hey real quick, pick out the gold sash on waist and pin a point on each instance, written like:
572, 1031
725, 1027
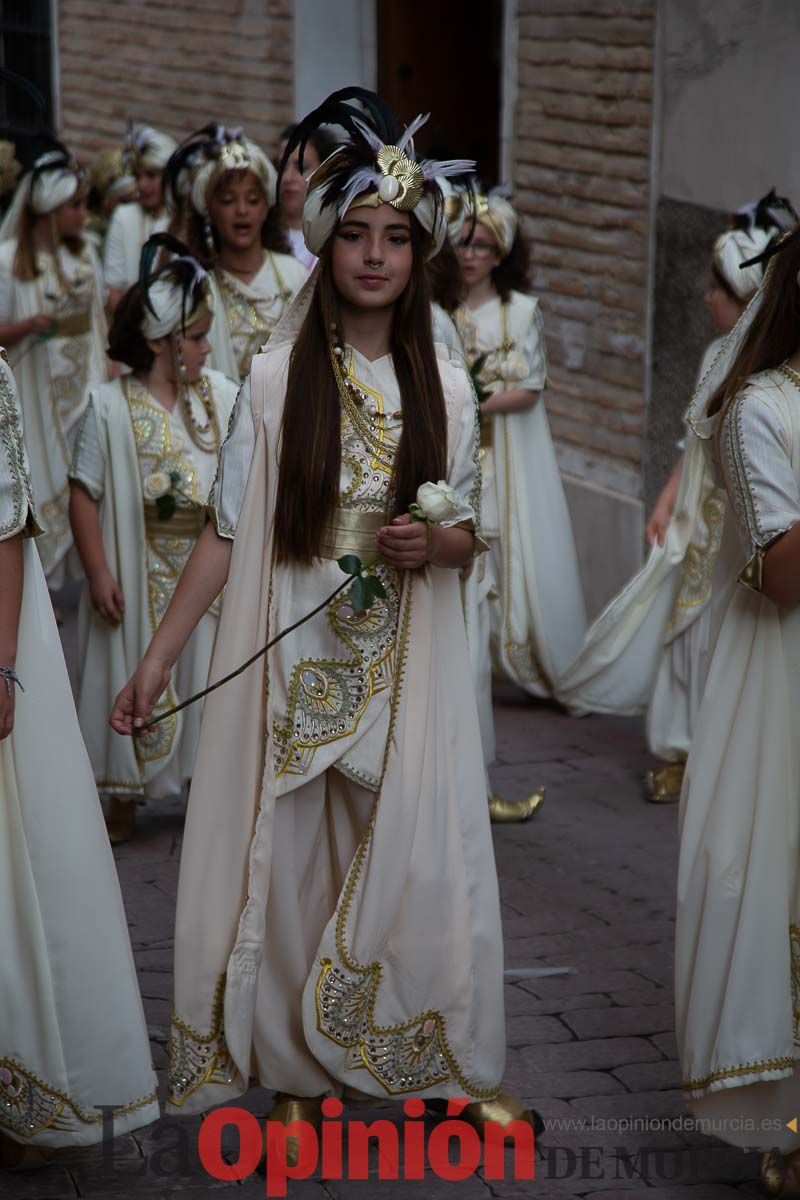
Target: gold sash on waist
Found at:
351, 532
73, 324
184, 522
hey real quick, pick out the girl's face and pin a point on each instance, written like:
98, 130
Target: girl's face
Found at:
195, 348
238, 209
294, 184
372, 256
70, 218
479, 256
150, 186
723, 309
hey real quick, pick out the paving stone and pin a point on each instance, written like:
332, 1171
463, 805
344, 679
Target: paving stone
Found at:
535, 1030
622, 1022
50, 1183
584, 982
645, 1077
600, 1054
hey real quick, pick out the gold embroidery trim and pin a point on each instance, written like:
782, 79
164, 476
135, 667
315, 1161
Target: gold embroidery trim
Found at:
432, 1025
197, 1059
751, 1068
29, 1105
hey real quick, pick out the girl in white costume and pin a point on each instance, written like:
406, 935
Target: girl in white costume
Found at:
294, 184
234, 223
52, 320
72, 1033
369, 951
145, 155
649, 649
738, 924
145, 459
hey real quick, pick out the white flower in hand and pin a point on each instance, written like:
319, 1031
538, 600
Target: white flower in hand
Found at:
438, 502
156, 485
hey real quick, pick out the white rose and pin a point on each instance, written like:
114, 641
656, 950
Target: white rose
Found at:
438, 501
156, 485
514, 369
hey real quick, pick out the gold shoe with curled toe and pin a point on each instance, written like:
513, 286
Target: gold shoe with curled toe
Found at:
501, 1111
664, 784
780, 1176
509, 812
121, 820
287, 1109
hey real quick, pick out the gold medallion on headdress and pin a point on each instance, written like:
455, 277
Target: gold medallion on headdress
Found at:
402, 181
233, 156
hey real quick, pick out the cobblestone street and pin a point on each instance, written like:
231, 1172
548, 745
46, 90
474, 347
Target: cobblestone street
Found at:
587, 885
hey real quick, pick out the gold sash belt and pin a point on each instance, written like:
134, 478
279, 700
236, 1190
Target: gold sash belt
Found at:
351, 532
184, 522
73, 324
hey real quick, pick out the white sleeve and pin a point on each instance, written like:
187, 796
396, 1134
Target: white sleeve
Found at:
535, 354
227, 493
757, 467
114, 257
88, 460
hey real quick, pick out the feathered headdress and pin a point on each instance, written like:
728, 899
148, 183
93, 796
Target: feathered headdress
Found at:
199, 163
146, 149
173, 293
376, 164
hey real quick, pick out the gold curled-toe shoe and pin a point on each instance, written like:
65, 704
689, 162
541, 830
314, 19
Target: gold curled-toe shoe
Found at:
287, 1109
509, 812
121, 820
779, 1174
664, 784
16, 1156
501, 1111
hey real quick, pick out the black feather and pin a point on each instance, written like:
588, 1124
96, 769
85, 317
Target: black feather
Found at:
150, 250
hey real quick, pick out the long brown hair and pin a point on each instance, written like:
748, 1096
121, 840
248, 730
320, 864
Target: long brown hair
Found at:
775, 333
310, 446
512, 273
26, 262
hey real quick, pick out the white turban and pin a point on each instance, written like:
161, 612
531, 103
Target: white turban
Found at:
52, 188
167, 298
148, 149
496, 214
237, 154
734, 247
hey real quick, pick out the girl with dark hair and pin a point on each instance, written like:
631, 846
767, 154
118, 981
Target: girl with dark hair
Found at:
52, 321
738, 925
145, 459
294, 184
233, 226
536, 605
368, 954
649, 650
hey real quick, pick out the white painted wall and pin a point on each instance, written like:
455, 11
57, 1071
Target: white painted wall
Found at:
731, 91
334, 46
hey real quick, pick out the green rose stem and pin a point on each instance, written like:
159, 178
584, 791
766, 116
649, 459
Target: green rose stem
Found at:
354, 569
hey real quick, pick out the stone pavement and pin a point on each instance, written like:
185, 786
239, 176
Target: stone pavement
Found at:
589, 885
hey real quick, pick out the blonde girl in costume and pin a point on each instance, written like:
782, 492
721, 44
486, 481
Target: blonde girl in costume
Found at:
144, 462
738, 917
350, 757
234, 222
145, 154
72, 1035
649, 649
53, 322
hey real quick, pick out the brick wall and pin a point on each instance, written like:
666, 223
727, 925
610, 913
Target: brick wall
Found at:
175, 65
581, 170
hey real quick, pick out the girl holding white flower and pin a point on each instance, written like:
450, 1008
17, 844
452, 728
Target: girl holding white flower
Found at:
339, 791
145, 459
536, 606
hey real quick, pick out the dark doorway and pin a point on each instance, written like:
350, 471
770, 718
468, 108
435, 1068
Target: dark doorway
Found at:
444, 57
